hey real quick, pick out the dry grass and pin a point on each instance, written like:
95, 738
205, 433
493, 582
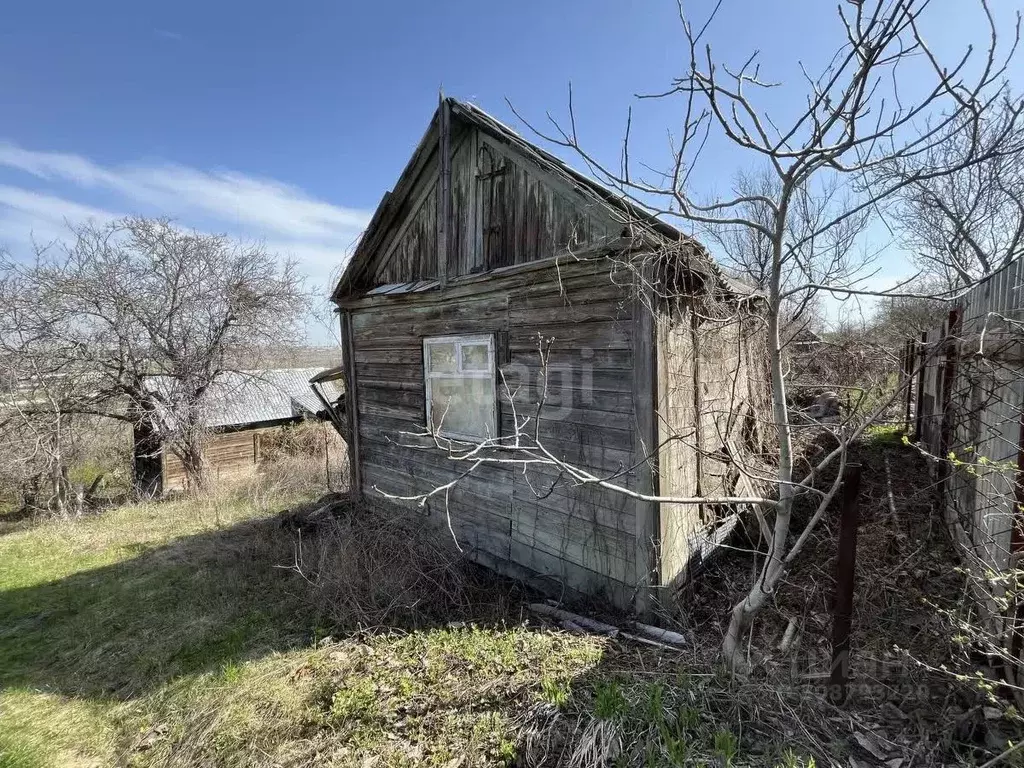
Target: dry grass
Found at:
223, 631
381, 566
900, 703
194, 632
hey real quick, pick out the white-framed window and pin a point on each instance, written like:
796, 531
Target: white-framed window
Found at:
462, 400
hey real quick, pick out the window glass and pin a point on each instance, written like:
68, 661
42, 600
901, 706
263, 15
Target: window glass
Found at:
442, 357
461, 400
463, 407
474, 357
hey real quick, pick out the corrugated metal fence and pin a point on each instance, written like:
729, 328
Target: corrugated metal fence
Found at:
970, 401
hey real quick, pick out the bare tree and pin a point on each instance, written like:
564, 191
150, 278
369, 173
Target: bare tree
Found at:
963, 225
824, 163
898, 318
856, 121
822, 256
135, 320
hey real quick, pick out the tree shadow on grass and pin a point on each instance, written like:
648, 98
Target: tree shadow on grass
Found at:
238, 593
192, 605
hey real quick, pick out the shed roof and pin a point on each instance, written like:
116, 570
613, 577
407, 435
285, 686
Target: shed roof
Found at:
657, 231
250, 397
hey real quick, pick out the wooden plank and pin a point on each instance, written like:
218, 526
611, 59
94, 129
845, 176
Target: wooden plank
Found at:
571, 575
537, 302
556, 400
594, 455
597, 452
408, 368
444, 189
435, 469
370, 410
352, 404
531, 213
555, 432
391, 396
603, 456
407, 360
589, 554
415, 211
582, 381
416, 322
464, 214
570, 273
393, 355
605, 334
572, 502
645, 397
587, 416
614, 361
386, 330
546, 477
383, 482
398, 385
580, 528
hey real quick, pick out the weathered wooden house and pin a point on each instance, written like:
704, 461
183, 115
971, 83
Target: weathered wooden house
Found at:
241, 409
487, 248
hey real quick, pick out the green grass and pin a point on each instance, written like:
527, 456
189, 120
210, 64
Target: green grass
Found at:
101, 612
177, 634
884, 435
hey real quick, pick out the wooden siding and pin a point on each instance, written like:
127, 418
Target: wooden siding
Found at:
228, 454
505, 210
582, 538
526, 214
710, 384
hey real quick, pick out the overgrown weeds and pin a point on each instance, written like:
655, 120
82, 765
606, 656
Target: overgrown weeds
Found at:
223, 631
378, 566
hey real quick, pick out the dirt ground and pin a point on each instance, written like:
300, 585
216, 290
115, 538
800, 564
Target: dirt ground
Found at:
903, 708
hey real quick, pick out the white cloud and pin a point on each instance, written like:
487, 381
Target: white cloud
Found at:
317, 233
29, 218
54, 210
281, 207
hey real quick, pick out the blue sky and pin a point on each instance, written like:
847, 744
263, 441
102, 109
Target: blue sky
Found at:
288, 121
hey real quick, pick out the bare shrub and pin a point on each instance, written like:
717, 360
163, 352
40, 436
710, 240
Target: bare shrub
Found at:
307, 438
66, 472
289, 477
379, 565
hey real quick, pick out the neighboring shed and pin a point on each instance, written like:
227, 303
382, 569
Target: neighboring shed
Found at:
241, 408
487, 246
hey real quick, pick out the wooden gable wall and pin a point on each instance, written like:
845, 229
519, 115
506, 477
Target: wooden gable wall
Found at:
506, 209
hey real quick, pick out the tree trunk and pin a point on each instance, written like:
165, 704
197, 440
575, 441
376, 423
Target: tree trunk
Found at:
774, 565
60, 497
193, 461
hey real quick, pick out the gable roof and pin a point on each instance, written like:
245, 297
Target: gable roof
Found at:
389, 210
249, 397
